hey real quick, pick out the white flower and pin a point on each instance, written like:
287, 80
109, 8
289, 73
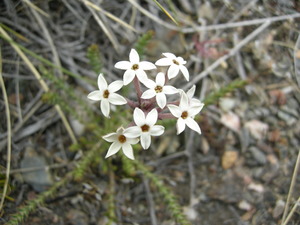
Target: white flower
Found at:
134, 67
185, 113
158, 89
106, 94
145, 127
120, 141
190, 93
175, 63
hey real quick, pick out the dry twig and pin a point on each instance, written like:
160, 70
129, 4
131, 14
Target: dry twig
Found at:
8, 135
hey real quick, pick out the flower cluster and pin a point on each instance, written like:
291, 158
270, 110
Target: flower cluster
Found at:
151, 105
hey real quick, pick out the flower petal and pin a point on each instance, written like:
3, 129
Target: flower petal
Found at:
132, 132
196, 102
115, 86
145, 140
139, 117
192, 124
173, 71
105, 108
161, 100
123, 65
113, 149
164, 62
157, 130
116, 99
151, 117
169, 55
169, 90
95, 95
148, 94
185, 72
132, 141
180, 60
150, 84
195, 109
102, 84
110, 137
142, 76
128, 76
160, 79
175, 110
190, 93
134, 57
180, 125
184, 102
144, 65
127, 150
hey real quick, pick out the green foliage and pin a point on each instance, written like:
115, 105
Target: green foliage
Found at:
215, 96
93, 54
32, 205
143, 41
167, 194
127, 167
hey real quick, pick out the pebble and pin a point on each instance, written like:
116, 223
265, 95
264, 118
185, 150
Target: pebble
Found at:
258, 155
286, 117
39, 179
278, 210
229, 158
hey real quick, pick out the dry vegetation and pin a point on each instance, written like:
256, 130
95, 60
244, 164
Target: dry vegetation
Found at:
241, 170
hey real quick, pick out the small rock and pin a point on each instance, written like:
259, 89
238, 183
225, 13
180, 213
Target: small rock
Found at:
227, 104
32, 164
228, 190
287, 118
229, 158
279, 207
257, 128
77, 126
77, 217
244, 205
256, 187
258, 155
231, 120
190, 212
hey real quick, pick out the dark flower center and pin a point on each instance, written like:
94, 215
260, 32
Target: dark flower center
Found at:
184, 115
158, 89
145, 128
175, 62
122, 139
105, 94
135, 67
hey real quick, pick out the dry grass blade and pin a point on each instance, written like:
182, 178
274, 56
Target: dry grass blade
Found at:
47, 36
106, 30
292, 212
36, 8
151, 16
42, 83
165, 11
239, 24
109, 15
293, 182
8, 135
